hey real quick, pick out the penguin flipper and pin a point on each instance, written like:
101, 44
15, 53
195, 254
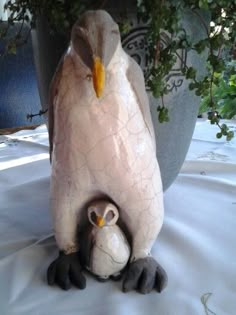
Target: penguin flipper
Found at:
86, 246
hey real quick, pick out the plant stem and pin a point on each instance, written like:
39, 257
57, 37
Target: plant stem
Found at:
40, 113
162, 101
204, 299
158, 42
211, 88
157, 52
21, 27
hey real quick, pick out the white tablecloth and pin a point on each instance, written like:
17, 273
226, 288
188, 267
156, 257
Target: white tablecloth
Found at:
197, 244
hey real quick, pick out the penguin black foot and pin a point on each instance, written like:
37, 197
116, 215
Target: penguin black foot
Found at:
144, 275
66, 270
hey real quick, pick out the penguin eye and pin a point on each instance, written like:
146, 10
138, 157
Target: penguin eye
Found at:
83, 49
110, 215
93, 217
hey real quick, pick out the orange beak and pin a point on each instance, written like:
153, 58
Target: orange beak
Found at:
98, 76
100, 221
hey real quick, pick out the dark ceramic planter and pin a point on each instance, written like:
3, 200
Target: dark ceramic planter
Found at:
19, 92
173, 138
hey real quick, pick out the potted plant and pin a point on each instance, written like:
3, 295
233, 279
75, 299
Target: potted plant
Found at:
179, 45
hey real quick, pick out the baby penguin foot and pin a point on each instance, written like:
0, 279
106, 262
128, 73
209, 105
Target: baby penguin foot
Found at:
143, 275
117, 276
102, 279
66, 270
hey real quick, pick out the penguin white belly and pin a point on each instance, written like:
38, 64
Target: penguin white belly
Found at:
101, 143
110, 252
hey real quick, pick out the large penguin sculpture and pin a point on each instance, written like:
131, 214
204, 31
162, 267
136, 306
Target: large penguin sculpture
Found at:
102, 144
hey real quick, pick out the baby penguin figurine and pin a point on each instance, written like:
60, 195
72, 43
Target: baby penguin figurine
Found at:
105, 250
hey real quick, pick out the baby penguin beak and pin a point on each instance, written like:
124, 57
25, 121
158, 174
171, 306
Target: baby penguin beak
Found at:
100, 221
98, 76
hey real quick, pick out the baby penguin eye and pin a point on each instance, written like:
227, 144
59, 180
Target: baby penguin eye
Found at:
110, 215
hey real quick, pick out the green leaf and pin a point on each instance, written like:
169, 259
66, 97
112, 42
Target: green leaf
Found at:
163, 114
11, 48
201, 45
203, 4
230, 135
191, 73
192, 86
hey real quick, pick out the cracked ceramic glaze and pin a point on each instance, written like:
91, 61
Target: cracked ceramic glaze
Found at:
104, 147
110, 250
110, 253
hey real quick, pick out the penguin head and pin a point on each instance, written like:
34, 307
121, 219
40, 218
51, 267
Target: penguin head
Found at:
95, 38
102, 213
